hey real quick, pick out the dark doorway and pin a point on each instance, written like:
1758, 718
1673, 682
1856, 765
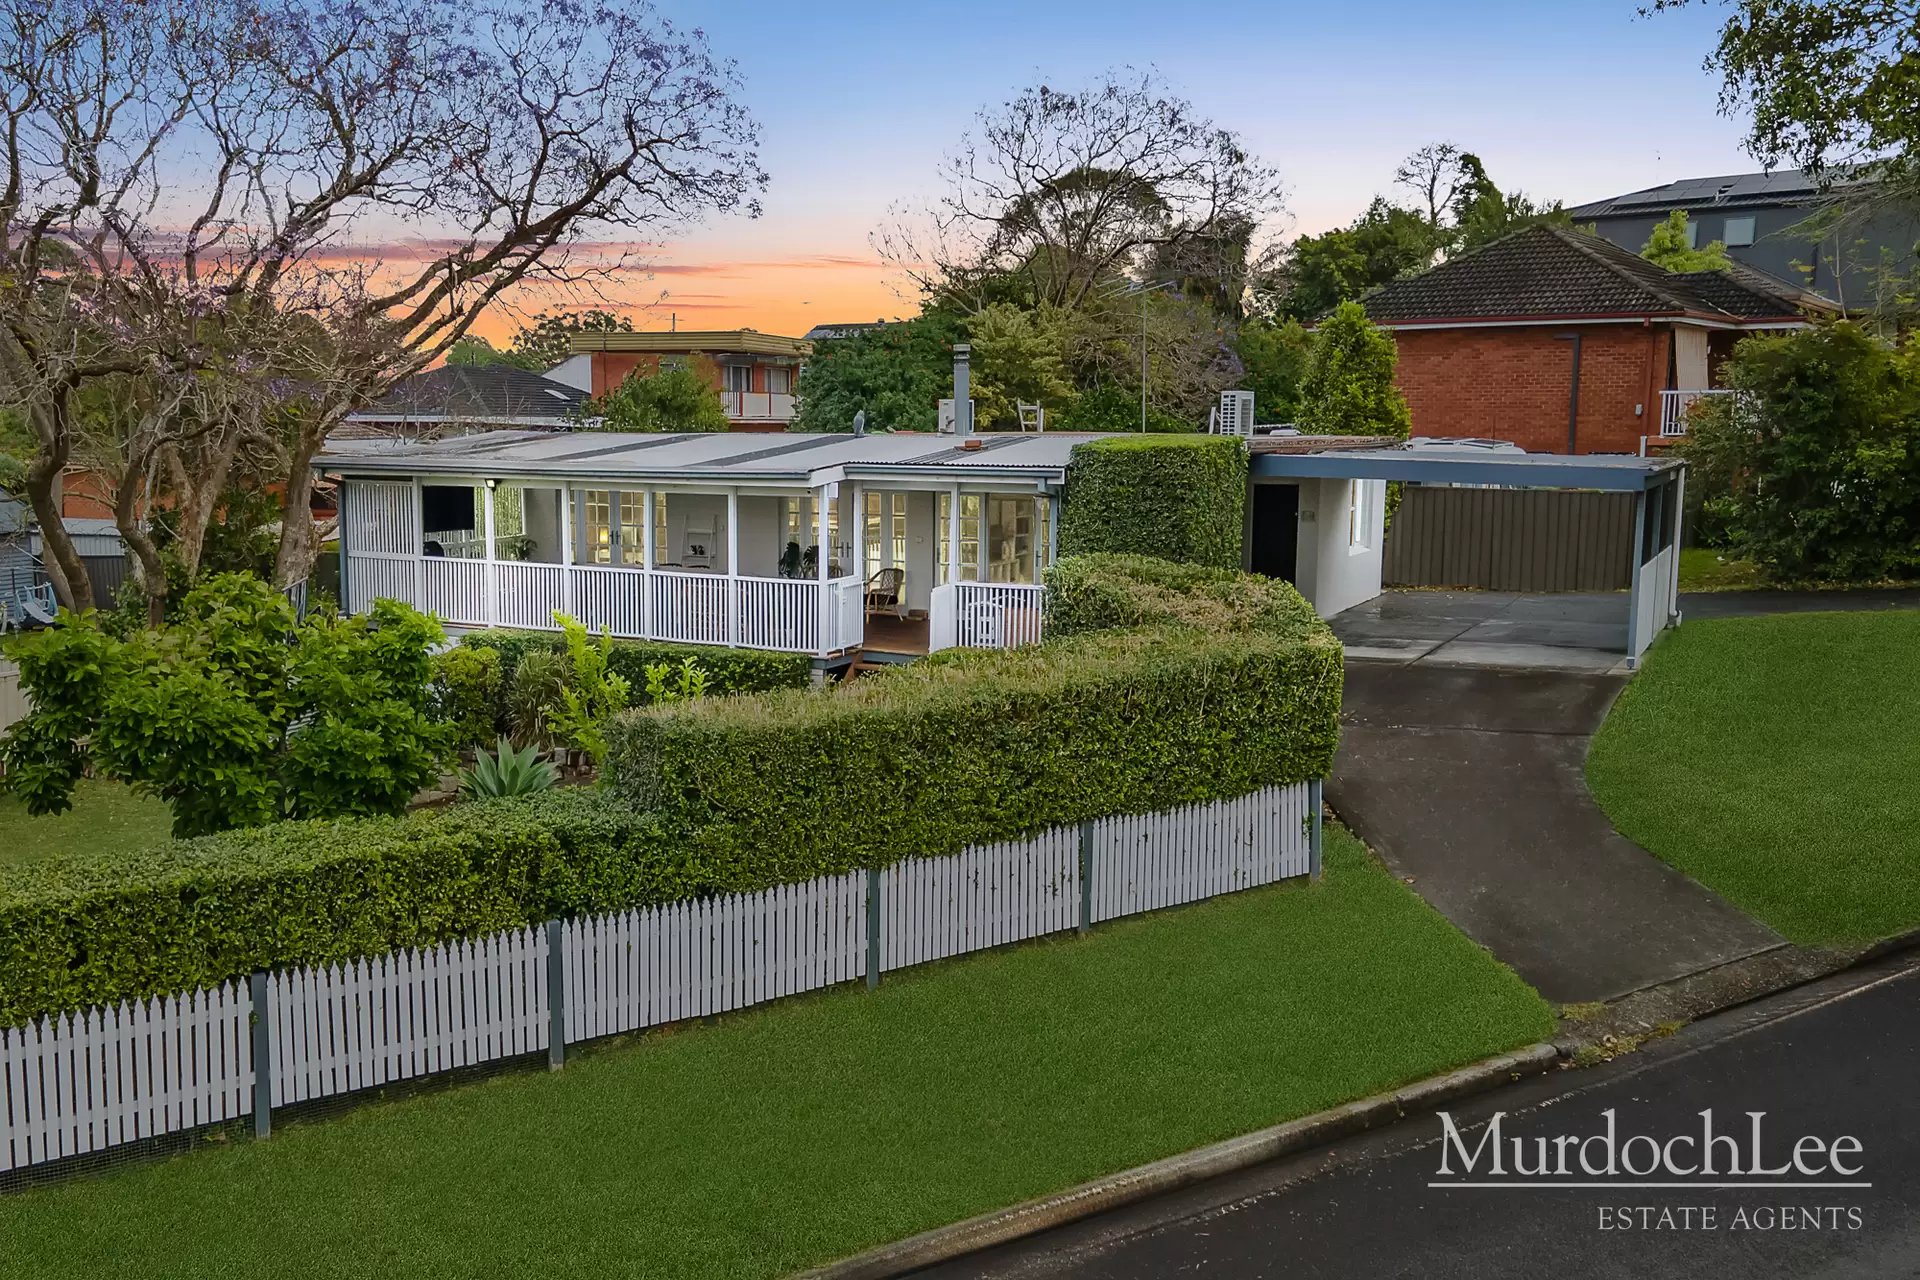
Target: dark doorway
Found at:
1276, 530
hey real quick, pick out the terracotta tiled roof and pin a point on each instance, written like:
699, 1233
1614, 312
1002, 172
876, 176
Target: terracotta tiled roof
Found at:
1559, 272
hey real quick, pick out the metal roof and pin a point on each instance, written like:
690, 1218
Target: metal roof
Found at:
476, 393
1439, 464
1726, 191
710, 341
729, 457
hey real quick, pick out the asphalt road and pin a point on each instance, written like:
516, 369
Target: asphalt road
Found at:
1834, 1059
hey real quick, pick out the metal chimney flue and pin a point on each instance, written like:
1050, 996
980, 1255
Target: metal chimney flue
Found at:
962, 390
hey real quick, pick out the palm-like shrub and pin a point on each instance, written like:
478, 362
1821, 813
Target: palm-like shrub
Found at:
507, 772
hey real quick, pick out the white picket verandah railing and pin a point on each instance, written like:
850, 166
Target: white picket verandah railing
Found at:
1674, 406
998, 615
86, 1082
630, 603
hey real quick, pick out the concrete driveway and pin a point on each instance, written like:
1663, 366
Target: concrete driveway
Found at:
1576, 631
1469, 783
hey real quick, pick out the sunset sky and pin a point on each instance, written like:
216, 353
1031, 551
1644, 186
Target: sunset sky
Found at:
859, 101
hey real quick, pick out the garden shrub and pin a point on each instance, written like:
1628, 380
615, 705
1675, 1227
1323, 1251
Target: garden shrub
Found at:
728, 670
1177, 498
468, 694
1104, 592
931, 757
84, 929
1349, 388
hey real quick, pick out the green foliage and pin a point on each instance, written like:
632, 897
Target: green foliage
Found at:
1018, 355
1110, 592
1111, 407
677, 398
1349, 387
591, 693
989, 746
1382, 244
897, 374
676, 684
1483, 213
84, 929
534, 693
467, 694
1667, 247
1813, 470
507, 773
1275, 354
728, 671
235, 714
1177, 498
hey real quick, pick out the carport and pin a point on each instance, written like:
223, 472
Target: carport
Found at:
1629, 625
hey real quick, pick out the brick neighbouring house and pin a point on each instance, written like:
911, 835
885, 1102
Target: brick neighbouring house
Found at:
754, 372
1489, 340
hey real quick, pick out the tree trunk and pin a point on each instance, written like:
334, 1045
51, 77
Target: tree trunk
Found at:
298, 549
146, 556
72, 585
199, 479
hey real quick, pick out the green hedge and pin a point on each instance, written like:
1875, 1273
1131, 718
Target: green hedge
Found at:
1179, 498
728, 670
935, 756
189, 913
1103, 592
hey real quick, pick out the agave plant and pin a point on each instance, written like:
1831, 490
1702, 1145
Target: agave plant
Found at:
507, 772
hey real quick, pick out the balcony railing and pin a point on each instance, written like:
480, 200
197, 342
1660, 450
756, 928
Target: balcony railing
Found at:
757, 406
638, 604
986, 615
1675, 405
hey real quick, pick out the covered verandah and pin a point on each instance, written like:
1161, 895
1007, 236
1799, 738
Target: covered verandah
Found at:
793, 546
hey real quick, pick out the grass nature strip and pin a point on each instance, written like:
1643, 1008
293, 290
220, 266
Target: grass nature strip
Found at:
789, 1135
1773, 760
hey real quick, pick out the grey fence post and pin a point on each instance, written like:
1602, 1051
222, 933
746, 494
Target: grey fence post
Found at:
1086, 876
1313, 831
556, 997
873, 928
262, 1057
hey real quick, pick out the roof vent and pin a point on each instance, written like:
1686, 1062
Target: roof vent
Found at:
1721, 194
973, 442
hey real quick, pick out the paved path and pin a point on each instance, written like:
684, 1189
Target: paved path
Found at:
1470, 782
1571, 631
1829, 1060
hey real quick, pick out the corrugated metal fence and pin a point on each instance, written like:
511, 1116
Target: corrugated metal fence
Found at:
87, 1082
1510, 539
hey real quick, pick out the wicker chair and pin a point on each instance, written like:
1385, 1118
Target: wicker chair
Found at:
887, 590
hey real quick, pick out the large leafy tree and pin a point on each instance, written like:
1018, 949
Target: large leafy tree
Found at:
1382, 244
678, 397
897, 374
1275, 354
1065, 190
1349, 387
1020, 359
1814, 468
1482, 212
541, 343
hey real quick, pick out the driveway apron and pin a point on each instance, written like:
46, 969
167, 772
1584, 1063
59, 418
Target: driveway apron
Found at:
1469, 783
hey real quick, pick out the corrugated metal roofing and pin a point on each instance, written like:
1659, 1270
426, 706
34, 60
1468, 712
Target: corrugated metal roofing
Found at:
744, 457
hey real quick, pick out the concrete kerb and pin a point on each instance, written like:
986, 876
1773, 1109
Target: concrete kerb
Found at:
1131, 1185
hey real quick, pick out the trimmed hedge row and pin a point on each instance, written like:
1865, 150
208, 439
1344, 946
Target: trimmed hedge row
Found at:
1181, 498
985, 746
728, 670
76, 931
1104, 592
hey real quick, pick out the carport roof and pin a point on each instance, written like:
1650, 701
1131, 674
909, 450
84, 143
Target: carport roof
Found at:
1508, 469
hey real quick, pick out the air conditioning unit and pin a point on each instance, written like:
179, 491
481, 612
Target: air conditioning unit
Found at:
946, 415
1236, 413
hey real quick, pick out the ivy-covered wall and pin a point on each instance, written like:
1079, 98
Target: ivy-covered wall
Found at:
1180, 498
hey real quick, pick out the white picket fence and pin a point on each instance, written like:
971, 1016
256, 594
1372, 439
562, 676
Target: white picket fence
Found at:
86, 1082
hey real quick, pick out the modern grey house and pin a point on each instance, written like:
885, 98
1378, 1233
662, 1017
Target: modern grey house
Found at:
1764, 220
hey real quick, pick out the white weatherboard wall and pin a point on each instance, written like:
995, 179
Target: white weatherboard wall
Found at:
1338, 562
86, 1082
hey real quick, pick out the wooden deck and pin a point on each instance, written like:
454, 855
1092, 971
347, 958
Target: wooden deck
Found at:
891, 634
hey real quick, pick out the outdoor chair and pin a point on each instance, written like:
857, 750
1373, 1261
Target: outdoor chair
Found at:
886, 590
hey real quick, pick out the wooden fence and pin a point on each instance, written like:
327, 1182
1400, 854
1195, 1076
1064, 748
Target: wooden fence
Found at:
89, 1081
1510, 539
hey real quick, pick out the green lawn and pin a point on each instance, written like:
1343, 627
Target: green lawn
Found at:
1777, 761
106, 817
1705, 569
790, 1135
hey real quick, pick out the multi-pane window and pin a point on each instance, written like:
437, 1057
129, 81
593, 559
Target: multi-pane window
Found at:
739, 377
885, 520
596, 524
969, 537
803, 526
633, 519
1010, 539
779, 379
